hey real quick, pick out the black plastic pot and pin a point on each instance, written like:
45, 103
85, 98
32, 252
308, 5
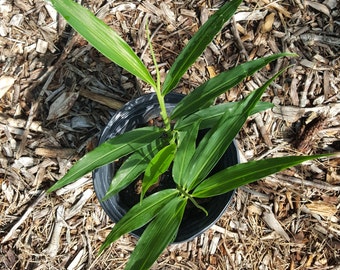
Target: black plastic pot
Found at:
137, 113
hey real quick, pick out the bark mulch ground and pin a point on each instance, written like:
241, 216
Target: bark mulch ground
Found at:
57, 93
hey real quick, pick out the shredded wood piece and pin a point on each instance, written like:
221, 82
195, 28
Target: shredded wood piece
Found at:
53, 246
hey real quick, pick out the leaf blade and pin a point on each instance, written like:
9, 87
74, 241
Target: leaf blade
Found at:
133, 167
218, 139
245, 173
157, 166
185, 151
139, 215
107, 152
198, 43
220, 84
210, 116
158, 235
103, 38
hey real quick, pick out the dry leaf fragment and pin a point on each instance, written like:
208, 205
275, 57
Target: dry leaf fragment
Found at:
268, 23
6, 82
62, 105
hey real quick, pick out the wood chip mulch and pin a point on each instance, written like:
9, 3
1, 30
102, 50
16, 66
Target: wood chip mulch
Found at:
57, 93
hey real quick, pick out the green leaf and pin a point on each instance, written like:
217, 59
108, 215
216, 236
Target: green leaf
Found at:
220, 84
217, 140
185, 151
210, 116
245, 173
198, 43
103, 38
158, 235
133, 167
157, 166
139, 215
109, 151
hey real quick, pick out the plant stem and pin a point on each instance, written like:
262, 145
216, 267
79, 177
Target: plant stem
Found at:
187, 195
160, 97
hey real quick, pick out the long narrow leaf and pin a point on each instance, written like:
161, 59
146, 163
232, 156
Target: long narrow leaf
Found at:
220, 84
109, 151
139, 215
185, 151
218, 139
245, 173
157, 166
103, 38
210, 116
158, 235
198, 43
133, 167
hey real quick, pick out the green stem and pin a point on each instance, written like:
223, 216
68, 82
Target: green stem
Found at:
160, 97
186, 194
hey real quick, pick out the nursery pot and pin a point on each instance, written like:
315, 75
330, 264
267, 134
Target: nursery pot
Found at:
137, 113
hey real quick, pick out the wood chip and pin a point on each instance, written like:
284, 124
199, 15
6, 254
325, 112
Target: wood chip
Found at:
6, 82
110, 102
13, 231
54, 152
17, 20
269, 217
75, 209
62, 105
53, 246
255, 15
78, 261
268, 23
322, 208
42, 46
318, 6
278, 7
212, 72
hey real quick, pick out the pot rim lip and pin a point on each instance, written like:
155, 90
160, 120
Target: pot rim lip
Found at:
229, 194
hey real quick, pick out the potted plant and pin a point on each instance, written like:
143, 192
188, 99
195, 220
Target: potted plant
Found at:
193, 137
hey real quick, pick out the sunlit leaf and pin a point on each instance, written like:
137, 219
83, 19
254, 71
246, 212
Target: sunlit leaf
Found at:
185, 151
133, 167
198, 43
109, 151
245, 173
217, 140
103, 38
220, 84
210, 116
157, 166
139, 215
158, 235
